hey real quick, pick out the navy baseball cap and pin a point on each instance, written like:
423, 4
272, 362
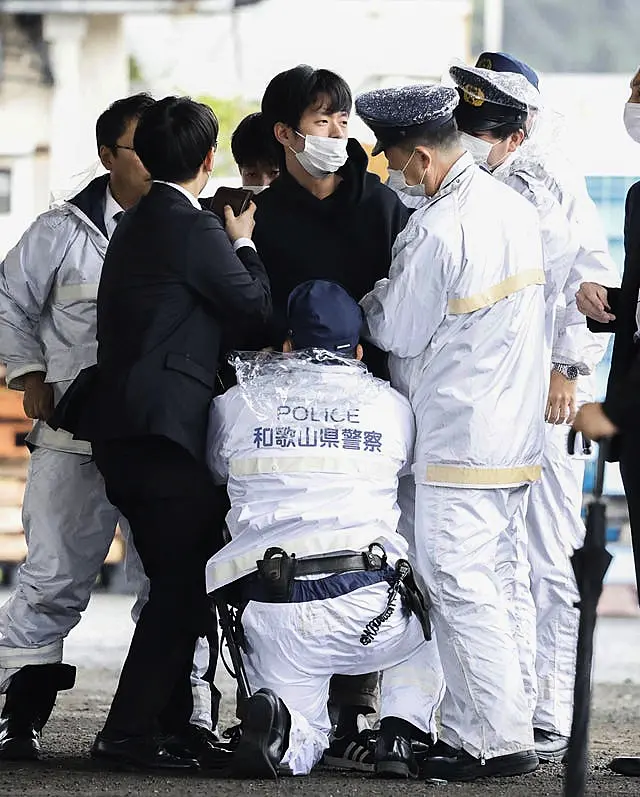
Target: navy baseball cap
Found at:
503, 62
322, 315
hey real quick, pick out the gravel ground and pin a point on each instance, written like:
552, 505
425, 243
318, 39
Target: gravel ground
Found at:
98, 645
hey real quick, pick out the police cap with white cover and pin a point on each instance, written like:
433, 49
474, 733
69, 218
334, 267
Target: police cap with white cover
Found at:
322, 315
405, 112
490, 99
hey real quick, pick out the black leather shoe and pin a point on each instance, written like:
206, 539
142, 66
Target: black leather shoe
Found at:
626, 765
423, 750
233, 735
201, 744
19, 741
138, 753
265, 737
464, 767
441, 748
394, 757
29, 702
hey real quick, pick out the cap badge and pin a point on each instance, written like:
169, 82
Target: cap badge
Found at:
473, 95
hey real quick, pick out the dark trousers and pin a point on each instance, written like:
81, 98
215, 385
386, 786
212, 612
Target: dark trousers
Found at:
353, 691
175, 513
630, 472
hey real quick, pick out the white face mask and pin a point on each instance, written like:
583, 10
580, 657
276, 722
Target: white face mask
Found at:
257, 189
478, 148
397, 181
632, 120
500, 169
322, 156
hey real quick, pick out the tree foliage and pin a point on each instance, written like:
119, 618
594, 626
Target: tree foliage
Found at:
229, 112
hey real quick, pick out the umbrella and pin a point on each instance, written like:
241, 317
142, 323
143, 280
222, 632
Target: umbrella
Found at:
590, 563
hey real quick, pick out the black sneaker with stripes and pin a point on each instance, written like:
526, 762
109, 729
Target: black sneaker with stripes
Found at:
351, 752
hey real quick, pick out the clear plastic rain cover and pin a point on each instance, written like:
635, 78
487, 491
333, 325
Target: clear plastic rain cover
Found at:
313, 385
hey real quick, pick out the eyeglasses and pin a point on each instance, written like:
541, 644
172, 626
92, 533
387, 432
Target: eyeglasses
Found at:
122, 146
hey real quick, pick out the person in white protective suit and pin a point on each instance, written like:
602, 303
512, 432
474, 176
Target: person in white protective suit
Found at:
48, 287
311, 446
554, 523
462, 315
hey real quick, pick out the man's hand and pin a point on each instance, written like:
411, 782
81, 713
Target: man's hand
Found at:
592, 302
635, 87
561, 402
592, 422
38, 397
239, 226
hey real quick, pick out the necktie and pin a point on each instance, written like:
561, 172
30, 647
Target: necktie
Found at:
117, 216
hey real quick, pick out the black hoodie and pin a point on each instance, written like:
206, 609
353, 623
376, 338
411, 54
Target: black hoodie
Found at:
346, 237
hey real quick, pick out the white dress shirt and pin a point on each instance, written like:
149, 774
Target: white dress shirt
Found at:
111, 210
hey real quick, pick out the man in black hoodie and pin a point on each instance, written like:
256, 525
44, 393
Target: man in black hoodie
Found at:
325, 217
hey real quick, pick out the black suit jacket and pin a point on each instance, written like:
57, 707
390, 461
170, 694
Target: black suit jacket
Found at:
622, 402
170, 284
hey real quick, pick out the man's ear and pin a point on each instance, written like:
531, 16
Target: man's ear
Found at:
515, 140
425, 156
282, 132
359, 352
106, 157
287, 346
209, 160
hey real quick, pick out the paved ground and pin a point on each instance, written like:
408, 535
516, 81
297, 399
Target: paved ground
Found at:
99, 644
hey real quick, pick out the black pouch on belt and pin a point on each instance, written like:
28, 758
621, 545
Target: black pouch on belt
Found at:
276, 573
414, 601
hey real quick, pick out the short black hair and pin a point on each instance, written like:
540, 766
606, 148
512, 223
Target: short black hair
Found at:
173, 138
252, 142
290, 93
113, 122
503, 132
498, 131
444, 137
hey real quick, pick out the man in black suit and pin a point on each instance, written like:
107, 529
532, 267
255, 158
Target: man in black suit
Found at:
617, 310
614, 310
172, 280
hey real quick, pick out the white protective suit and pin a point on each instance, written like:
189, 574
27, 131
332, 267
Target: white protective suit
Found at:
311, 452
463, 317
571, 343
554, 522
48, 290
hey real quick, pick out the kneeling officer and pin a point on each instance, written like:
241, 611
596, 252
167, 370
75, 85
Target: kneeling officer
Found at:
320, 570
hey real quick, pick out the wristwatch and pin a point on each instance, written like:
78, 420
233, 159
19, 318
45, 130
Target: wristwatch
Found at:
569, 372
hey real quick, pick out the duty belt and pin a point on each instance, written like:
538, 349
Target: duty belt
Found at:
278, 565
278, 570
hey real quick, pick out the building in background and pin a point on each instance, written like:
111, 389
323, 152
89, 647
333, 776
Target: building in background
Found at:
236, 53
61, 63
